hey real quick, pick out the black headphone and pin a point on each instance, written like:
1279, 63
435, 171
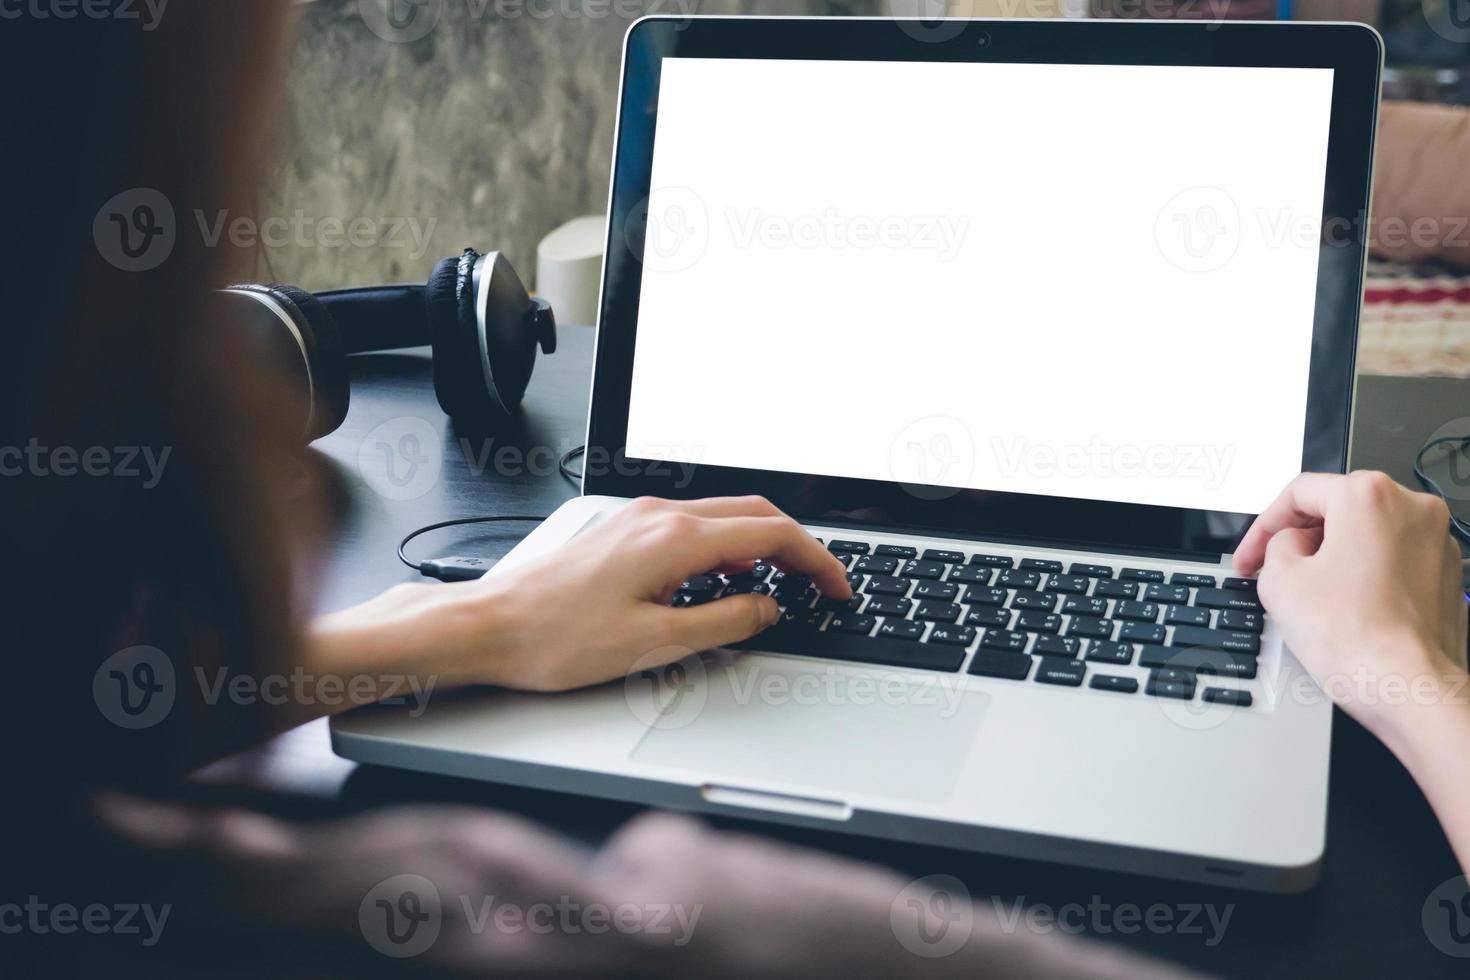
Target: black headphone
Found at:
475, 311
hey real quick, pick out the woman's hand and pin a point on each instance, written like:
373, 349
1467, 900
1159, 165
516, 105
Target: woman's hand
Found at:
598, 608
1364, 583
593, 611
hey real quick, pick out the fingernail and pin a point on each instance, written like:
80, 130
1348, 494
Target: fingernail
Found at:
770, 612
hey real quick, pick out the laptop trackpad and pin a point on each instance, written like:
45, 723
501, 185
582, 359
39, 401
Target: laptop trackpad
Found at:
758, 721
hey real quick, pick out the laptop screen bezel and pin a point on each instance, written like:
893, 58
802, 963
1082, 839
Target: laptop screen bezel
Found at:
1353, 52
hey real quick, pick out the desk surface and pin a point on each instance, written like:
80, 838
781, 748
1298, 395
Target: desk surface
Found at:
1385, 851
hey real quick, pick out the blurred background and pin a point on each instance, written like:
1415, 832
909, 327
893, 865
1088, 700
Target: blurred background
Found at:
490, 123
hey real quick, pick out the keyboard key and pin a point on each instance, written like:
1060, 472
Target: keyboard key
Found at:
1056, 670
1139, 633
896, 551
1087, 626
887, 605
843, 623
849, 547
1187, 616
938, 612
1141, 575
1085, 605
1194, 579
988, 616
1107, 682
970, 575
1017, 579
873, 565
992, 561
943, 591
980, 595
1137, 612
1009, 666
1067, 584
1240, 619
1038, 621
1221, 695
947, 557
1106, 652
1236, 641
960, 636
859, 649
1167, 593
1034, 600
1182, 690
923, 569
1041, 565
1110, 589
1092, 571
1240, 584
702, 586
1199, 660
1227, 599
887, 585
829, 604
1003, 640
901, 629
1050, 645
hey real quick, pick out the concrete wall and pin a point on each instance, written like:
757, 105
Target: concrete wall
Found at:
490, 129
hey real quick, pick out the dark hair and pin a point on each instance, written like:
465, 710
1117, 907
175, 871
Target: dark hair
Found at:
111, 366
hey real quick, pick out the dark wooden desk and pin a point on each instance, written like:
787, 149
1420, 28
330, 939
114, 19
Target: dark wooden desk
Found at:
1385, 851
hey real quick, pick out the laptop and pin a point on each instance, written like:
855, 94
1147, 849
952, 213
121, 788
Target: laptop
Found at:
1024, 320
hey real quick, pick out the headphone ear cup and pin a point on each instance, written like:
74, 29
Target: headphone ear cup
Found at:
327, 356
459, 361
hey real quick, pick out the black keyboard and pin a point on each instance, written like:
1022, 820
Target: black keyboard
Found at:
1016, 619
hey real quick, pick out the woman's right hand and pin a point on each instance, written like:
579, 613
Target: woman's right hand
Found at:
1364, 583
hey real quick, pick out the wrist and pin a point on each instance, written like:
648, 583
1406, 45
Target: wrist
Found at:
452, 633
1433, 694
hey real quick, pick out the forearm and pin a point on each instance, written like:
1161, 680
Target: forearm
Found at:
410, 642
1432, 740
1421, 196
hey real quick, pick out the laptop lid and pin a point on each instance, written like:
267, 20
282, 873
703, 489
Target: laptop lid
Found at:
1084, 283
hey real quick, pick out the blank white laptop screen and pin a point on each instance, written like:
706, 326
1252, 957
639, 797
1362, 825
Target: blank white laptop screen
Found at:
1085, 281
